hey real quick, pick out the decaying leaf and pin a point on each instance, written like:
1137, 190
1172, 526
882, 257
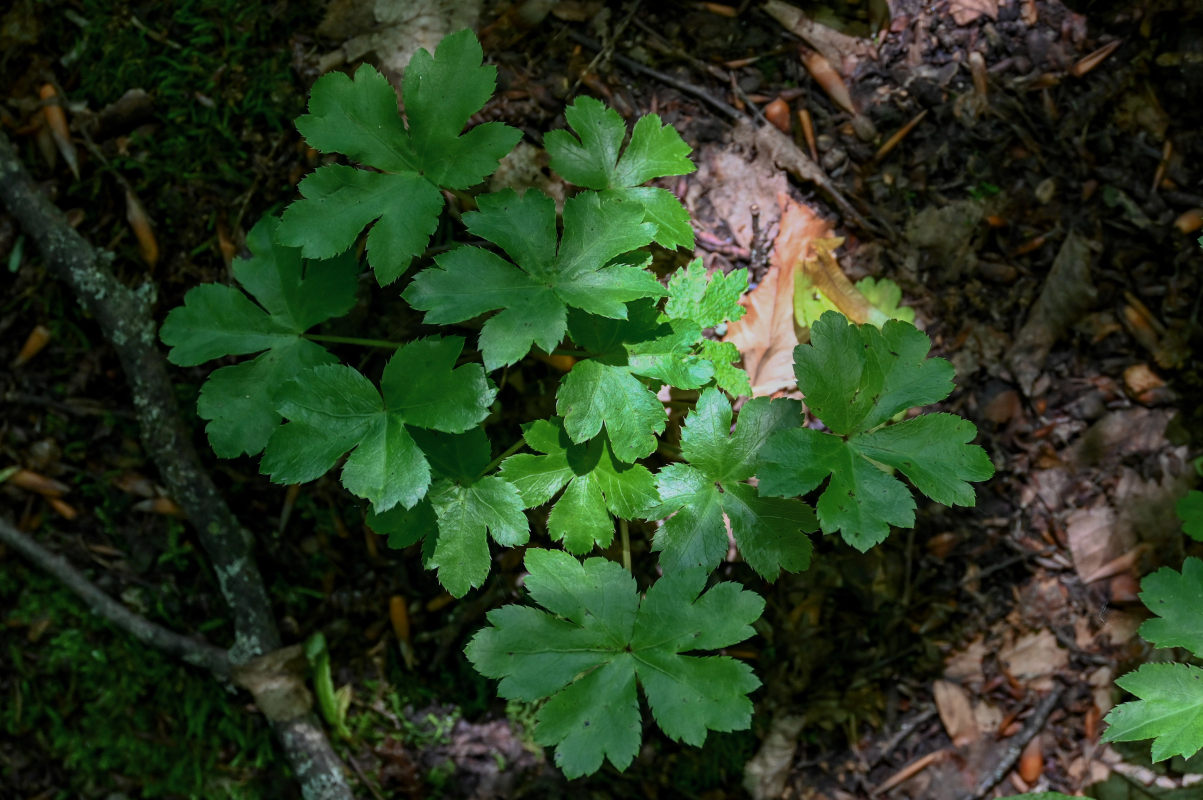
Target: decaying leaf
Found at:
765, 336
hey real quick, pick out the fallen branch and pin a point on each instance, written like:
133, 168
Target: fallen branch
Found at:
1013, 750
188, 649
125, 319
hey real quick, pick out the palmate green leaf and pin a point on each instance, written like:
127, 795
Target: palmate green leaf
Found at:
462, 509
855, 378
293, 295
333, 409
596, 485
708, 300
710, 486
1190, 511
591, 159
1176, 598
606, 389
400, 196
1169, 711
543, 279
596, 641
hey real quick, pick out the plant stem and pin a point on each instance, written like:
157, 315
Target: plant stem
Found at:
509, 451
317, 337
625, 535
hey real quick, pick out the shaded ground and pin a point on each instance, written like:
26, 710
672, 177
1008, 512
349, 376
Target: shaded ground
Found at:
917, 660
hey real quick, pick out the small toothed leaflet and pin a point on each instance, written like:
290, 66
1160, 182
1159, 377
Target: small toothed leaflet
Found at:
415, 427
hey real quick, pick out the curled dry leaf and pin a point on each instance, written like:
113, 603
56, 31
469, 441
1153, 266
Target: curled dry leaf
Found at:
38, 338
765, 335
56, 122
31, 481
1031, 761
829, 79
139, 221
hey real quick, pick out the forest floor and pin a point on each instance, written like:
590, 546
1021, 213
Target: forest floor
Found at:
1029, 176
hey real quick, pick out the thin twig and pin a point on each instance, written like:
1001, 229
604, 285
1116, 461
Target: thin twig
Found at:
191, 650
1013, 750
635, 66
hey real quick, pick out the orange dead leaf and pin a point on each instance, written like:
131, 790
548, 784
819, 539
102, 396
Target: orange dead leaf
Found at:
398, 613
56, 121
777, 112
558, 360
37, 339
31, 481
765, 335
826, 76
1031, 762
159, 505
62, 508
808, 132
139, 221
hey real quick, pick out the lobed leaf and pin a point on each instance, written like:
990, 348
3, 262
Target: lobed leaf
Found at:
596, 485
333, 409
1170, 711
399, 197
542, 278
591, 159
708, 300
706, 495
855, 378
596, 642
292, 295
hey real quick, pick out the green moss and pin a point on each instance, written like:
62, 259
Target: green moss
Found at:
114, 714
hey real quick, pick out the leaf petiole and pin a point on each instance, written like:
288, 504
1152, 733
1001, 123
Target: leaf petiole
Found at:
509, 451
317, 337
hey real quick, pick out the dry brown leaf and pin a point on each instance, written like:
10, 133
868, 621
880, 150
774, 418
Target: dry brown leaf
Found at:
1034, 658
38, 338
956, 712
966, 11
139, 221
1095, 540
765, 336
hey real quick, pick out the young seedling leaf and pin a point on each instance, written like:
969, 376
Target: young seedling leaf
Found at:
333, 409
535, 288
596, 642
293, 295
854, 379
1169, 711
596, 485
591, 159
708, 300
710, 487
400, 196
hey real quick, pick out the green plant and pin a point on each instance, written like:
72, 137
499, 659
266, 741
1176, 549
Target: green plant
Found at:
417, 442
1170, 708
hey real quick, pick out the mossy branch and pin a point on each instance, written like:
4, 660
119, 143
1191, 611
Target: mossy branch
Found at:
125, 319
